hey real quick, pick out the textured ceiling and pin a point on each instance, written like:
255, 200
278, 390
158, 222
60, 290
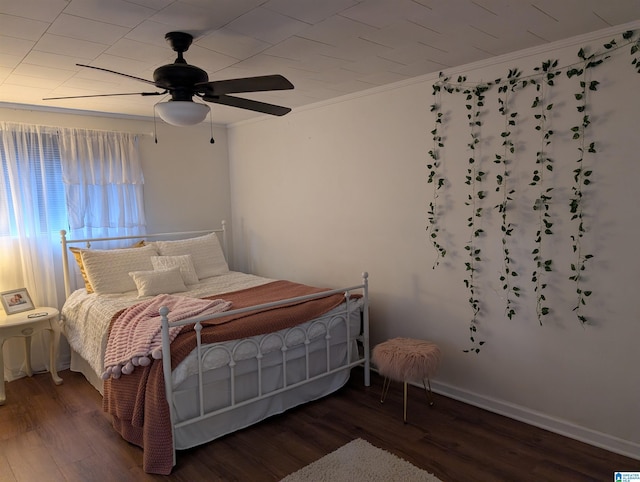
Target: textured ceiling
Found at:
326, 48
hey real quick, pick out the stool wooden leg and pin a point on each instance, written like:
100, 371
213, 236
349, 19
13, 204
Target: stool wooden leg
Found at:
429, 392
385, 388
404, 415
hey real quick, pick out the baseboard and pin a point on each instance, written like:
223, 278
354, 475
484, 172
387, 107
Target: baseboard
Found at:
537, 419
540, 420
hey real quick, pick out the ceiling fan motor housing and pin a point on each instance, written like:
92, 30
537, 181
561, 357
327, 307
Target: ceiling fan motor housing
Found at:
179, 79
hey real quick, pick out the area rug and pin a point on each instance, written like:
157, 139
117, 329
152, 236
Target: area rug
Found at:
359, 461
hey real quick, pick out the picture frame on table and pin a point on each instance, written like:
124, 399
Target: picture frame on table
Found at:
16, 301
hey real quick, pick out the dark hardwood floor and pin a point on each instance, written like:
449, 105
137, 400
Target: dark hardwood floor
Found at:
60, 433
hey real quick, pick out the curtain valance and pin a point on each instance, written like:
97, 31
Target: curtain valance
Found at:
92, 157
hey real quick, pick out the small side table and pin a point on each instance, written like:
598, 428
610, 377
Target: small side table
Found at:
20, 324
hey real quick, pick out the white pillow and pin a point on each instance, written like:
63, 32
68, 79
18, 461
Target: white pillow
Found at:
108, 269
165, 281
206, 254
183, 262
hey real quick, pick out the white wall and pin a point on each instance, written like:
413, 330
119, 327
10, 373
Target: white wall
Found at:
325, 193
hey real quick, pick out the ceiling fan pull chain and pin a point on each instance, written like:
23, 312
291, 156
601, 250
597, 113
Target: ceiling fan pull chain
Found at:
155, 127
211, 121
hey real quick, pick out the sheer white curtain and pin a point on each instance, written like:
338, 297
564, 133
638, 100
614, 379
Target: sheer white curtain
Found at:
104, 183
29, 223
88, 182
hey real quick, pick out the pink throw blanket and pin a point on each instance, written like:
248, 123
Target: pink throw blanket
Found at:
137, 333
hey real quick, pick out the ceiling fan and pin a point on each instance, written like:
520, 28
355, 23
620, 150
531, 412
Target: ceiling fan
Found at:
184, 81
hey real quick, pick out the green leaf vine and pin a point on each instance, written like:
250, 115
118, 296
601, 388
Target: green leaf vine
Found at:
504, 159
635, 48
435, 177
544, 166
581, 175
474, 178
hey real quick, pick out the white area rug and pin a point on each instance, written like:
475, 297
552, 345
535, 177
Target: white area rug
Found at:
359, 461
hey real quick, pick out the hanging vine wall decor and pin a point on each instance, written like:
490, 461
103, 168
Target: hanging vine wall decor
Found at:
543, 79
435, 176
544, 166
474, 179
582, 176
502, 178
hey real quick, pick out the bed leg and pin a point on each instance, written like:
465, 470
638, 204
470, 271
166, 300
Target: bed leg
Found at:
365, 330
367, 374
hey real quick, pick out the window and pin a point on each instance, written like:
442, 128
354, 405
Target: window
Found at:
76, 179
34, 183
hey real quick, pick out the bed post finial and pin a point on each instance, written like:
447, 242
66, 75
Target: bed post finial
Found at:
225, 245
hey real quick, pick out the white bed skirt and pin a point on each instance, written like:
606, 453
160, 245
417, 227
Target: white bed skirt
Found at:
79, 364
223, 424
247, 415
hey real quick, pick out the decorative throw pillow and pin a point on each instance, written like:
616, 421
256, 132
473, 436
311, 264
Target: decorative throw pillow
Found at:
77, 254
108, 270
157, 282
183, 262
206, 254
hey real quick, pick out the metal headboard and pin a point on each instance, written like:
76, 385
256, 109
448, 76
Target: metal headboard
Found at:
222, 232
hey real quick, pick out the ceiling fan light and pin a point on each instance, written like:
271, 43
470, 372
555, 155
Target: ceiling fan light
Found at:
182, 112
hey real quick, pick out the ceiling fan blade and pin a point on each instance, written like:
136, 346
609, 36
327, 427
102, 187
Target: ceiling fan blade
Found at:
104, 95
118, 73
247, 84
248, 104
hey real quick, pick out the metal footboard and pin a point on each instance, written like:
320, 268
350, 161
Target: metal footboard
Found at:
330, 338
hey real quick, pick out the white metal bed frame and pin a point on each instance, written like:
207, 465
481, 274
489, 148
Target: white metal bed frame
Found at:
360, 356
